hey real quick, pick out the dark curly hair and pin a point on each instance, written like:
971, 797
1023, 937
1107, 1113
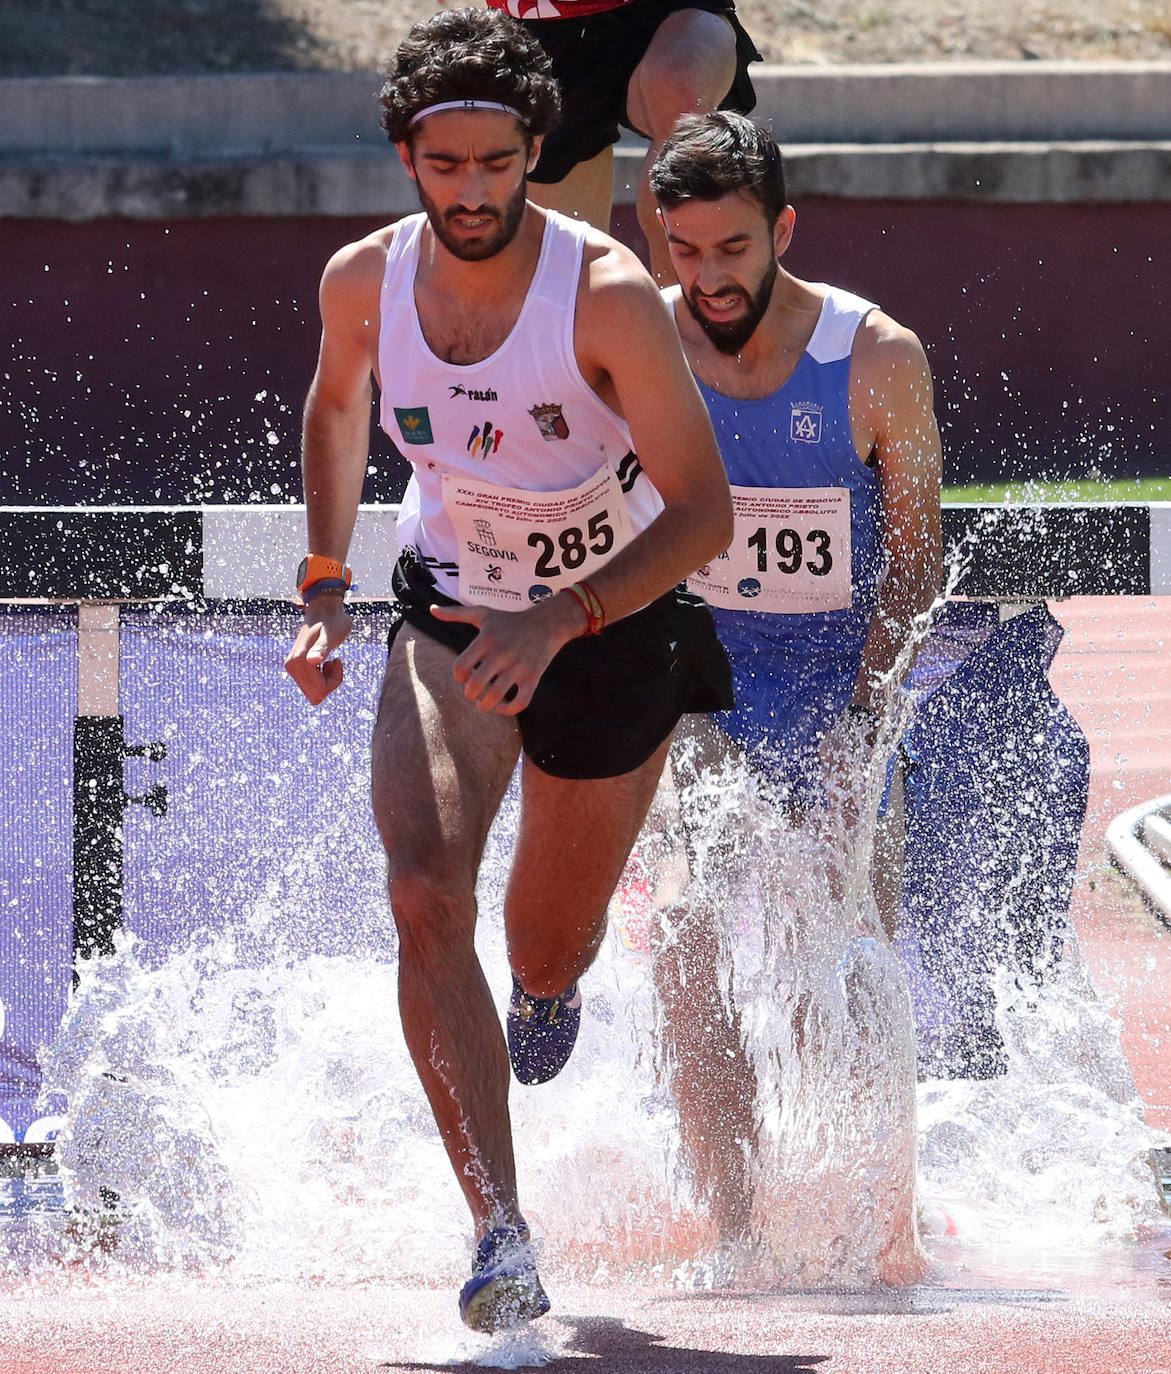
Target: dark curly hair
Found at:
469, 54
710, 155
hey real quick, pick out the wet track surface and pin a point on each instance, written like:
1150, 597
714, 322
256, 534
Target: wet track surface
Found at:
1026, 1328
982, 1309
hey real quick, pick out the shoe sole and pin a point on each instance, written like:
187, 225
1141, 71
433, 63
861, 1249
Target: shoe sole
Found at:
501, 1303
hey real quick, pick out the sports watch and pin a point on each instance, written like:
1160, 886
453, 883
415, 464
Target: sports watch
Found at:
318, 574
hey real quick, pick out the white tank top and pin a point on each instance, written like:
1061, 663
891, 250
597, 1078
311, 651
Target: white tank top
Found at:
523, 420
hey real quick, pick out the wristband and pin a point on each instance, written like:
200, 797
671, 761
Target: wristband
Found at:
587, 599
322, 585
315, 568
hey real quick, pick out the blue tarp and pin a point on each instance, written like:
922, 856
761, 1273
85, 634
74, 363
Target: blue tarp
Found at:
38, 705
996, 793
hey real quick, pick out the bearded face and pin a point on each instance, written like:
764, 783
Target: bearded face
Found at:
475, 234
470, 169
730, 314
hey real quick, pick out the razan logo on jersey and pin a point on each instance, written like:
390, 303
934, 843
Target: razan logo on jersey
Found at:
805, 422
484, 440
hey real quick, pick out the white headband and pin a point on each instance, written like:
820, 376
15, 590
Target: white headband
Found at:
466, 105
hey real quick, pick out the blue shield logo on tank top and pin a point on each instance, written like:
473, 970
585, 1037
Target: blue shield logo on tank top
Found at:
805, 422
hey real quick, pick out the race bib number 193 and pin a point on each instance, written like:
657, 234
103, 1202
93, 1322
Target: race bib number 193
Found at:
516, 547
790, 553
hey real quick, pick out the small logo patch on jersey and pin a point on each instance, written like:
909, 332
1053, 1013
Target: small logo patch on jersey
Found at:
472, 395
550, 421
484, 440
414, 424
805, 422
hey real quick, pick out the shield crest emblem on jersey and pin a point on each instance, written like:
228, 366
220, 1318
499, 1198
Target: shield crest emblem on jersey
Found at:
805, 422
550, 421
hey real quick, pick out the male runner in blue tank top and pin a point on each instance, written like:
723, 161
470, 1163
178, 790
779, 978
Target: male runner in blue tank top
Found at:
565, 480
822, 407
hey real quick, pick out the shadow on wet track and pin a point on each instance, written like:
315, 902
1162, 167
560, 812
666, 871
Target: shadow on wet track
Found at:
921, 1301
608, 1346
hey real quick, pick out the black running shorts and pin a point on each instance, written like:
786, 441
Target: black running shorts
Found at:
595, 57
606, 702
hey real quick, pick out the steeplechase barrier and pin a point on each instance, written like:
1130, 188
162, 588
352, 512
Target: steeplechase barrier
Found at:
166, 778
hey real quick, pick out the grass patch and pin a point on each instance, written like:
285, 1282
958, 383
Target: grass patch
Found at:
1041, 490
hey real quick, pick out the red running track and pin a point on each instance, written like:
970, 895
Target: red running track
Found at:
1114, 672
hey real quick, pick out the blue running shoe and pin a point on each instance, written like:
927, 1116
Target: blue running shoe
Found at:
542, 1032
504, 1289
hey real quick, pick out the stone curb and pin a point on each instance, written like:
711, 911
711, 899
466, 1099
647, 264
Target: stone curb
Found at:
278, 111
281, 144
372, 183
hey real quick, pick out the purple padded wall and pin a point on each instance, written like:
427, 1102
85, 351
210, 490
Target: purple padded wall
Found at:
39, 701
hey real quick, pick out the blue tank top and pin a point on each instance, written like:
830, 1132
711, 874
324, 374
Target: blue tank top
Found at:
794, 673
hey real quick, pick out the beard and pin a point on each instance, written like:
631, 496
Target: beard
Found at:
730, 336
492, 241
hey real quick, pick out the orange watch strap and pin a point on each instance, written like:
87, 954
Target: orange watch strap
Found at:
315, 568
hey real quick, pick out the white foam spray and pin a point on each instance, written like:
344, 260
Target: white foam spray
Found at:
253, 1109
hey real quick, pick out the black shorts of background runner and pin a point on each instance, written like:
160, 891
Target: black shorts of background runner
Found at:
595, 57
606, 702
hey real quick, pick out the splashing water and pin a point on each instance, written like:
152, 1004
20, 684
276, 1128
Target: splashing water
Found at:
249, 1108
264, 1109
823, 1011
1053, 1158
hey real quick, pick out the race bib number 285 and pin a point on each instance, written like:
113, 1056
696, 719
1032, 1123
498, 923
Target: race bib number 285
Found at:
517, 547
790, 553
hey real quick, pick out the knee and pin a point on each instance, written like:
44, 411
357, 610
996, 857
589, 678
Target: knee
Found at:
689, 75
434, 915
668, 97
542, 979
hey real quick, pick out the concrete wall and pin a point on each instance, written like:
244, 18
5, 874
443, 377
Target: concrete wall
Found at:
163, 242
309, 144
897, 103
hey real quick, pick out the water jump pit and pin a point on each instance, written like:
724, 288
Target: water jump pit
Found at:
220, 1158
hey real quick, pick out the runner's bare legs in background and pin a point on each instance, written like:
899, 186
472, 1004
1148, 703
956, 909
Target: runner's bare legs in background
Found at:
688, 68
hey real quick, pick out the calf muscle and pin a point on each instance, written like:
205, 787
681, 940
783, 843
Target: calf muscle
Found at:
439, 772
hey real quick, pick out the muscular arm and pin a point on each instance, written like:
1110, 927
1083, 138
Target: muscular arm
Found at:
628, 349
891, 391
335, 449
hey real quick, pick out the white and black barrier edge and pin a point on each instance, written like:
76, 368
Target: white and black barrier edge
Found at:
196, 554
1139, 841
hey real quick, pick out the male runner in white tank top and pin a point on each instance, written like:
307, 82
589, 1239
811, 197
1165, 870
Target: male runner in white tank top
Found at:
601, 467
